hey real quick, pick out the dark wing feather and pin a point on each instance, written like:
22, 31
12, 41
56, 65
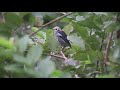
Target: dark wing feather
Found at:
64, 37
62, 33
66, 40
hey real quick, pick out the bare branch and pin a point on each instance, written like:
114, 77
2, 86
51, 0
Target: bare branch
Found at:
63, 55
57, 56
55, 20
106, 58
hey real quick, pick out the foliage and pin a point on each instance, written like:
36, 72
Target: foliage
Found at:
24, 56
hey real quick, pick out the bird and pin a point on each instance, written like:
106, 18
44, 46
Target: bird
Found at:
62, 37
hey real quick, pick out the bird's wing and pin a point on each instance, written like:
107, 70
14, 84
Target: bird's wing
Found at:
62, 33
66, 40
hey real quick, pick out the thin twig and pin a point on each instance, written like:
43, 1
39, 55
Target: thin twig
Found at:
106, 58
55, 20
63, 55
57, 56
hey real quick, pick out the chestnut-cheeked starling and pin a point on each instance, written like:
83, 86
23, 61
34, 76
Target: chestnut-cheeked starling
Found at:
62, 37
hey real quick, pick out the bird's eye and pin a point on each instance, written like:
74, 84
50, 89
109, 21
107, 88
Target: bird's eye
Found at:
56, 28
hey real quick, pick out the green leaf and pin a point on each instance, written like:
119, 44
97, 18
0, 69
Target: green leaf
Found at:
20, 59
6, 54
87, 62
13, 68
93, 42
100, 33
89, 56
56, 74
13, 20
79, 18
5, 30
98, 20
46, 68
68, 28
82, 56
40, 33
113, 27
52, 42
29, 18
34, 54
16, 71
88, 22
82, 31
76, 41
22, 44
67, 20
5, 43
93, 55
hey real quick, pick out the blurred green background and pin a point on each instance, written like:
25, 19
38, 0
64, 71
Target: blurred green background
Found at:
22, 56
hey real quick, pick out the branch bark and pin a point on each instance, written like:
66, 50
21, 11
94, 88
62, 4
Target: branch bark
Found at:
57, 56
106, 56
55, 20
62, 57
65, 58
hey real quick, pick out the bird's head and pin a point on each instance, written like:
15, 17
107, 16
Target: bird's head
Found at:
56, 28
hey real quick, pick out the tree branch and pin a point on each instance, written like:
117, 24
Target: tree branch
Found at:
106, 58
57, 56
63, 55
55, 20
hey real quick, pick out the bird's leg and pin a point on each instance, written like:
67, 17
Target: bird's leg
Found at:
63, 49
62, 53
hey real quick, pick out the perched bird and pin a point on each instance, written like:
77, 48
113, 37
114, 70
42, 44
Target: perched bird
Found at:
62, 37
